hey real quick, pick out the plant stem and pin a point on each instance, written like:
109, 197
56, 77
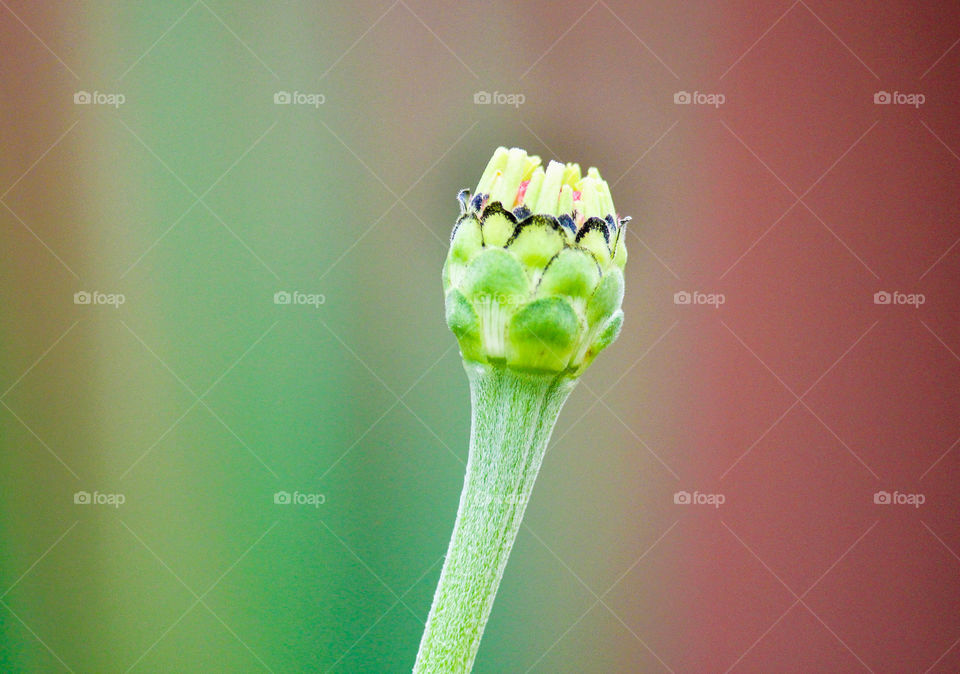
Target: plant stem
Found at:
513, 414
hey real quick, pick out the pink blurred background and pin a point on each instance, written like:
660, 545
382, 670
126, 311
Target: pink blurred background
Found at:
794, 402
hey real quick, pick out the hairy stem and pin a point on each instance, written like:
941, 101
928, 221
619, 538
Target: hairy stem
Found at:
513, 417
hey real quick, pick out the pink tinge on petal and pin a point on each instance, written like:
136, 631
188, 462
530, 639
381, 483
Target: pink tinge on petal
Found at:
521, 193
577, 195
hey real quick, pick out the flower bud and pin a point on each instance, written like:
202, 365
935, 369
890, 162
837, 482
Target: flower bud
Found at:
534, 275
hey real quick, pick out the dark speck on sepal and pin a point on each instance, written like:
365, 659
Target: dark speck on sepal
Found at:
567, 221
464, 198
611, 223
594, 223
477, 201
521, 212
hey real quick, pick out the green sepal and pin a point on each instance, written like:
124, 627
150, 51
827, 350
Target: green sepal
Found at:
607, 298
465, 324
536, 240
607, 336
466, 241
573, 272
595, 237
498, 275
543, 335
497, 224
620, 244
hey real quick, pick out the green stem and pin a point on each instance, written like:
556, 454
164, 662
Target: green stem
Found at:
513, 417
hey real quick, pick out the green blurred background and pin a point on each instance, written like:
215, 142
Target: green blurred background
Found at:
198, 398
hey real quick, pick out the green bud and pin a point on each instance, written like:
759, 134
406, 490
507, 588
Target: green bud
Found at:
534, 273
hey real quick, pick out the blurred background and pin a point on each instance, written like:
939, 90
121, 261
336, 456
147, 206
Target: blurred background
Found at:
201, 476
